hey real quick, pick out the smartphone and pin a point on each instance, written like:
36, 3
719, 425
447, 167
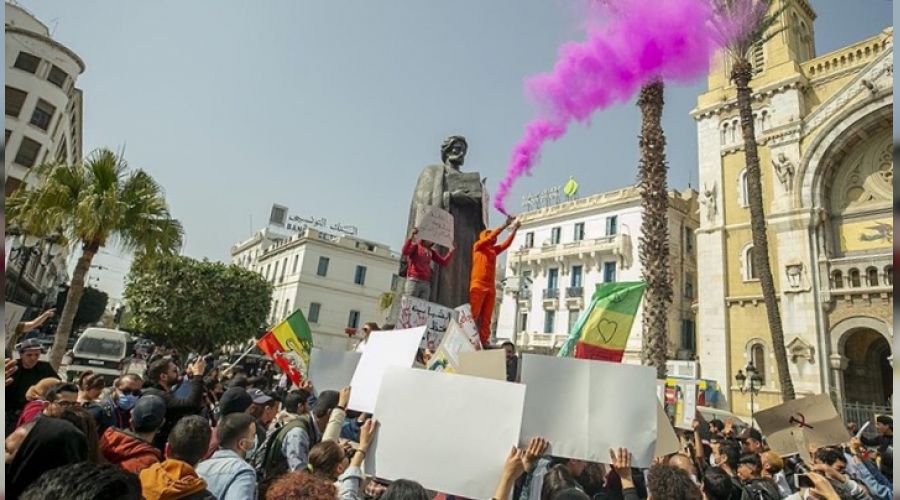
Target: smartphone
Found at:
803, 481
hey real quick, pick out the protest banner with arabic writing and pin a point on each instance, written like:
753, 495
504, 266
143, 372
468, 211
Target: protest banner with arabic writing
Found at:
435, 224
434, 317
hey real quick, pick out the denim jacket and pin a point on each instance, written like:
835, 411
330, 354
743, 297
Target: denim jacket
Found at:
228, 476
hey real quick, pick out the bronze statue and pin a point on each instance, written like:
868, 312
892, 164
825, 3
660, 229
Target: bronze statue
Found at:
463, 195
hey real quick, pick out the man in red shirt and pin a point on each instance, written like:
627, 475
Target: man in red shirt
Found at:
482, 286
420, 255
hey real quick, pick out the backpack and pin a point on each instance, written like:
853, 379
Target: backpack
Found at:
759, 489
269, 461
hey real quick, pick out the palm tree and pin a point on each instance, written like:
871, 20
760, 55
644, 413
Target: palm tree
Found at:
745, 25
654, 243
94, 204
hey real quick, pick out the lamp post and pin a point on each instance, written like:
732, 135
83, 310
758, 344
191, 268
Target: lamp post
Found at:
751, 382
33, 246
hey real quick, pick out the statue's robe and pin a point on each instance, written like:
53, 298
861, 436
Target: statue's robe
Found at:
461, 194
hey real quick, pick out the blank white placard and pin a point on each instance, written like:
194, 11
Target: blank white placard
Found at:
585, 407
332, 370
383, 349
449, 432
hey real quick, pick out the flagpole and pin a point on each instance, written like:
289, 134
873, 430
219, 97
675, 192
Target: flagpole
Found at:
242, 356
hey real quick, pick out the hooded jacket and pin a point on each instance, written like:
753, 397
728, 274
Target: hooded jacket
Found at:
173, 480
128, 451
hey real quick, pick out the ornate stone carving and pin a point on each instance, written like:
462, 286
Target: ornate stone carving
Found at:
799, 349
794, 272
709, 201
784, 170
874, 77
866, 176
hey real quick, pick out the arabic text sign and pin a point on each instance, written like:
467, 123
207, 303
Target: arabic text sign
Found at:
434, 317
383, 350
435, 224
812, 420
601, 413
413, 404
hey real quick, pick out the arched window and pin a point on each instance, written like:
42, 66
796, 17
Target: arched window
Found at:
889, 275
734, 127
872, 276
758, 358
837, 279
749, 268
743, 194
853, 278
724, 134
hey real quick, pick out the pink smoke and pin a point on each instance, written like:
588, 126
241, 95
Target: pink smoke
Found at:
634, 42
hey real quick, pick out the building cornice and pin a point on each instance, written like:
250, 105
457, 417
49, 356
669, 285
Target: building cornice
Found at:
682, 201
46, 39
797, 81
293, 243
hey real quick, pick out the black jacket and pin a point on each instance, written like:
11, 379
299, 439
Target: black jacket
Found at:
176, 408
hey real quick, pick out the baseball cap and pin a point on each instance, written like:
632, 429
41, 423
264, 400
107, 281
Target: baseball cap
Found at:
259, 397
28, 345
234, 400
148, 413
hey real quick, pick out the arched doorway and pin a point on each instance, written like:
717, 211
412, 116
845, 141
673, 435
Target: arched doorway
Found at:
868, 376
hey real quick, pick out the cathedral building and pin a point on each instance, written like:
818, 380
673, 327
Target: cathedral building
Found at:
824, 128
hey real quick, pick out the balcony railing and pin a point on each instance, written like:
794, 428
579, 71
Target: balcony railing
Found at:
551, 293
575, 292
525, 295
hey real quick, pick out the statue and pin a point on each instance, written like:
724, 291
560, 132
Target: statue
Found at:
461, 194
709, 200
784, 169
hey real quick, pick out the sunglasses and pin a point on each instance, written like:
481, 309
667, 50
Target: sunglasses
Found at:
130, 392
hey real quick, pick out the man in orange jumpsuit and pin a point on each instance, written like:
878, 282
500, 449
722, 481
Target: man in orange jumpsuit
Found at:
482, 285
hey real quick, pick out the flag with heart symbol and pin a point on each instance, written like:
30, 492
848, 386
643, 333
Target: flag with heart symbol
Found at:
602, 330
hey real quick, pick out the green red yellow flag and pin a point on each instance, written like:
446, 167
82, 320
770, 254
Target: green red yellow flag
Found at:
602, 330
289, 345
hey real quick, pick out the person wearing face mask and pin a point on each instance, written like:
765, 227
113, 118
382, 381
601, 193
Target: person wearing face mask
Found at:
133, 450
115, 410
227, 474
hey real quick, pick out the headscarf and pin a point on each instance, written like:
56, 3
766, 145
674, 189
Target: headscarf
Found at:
51, 443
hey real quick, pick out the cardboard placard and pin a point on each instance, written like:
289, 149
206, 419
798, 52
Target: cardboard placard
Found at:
434, 317
451, 433
446, 358
812, 420
666, 439
487, 364
383, 350
435, 224
607, 405
332, 370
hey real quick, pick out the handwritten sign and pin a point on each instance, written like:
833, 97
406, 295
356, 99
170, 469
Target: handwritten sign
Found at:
812, 420
454, 343
434, 317
467, 324
435, 224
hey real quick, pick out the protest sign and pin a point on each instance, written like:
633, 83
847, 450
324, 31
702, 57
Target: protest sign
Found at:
467, 323
486, 364
446, 358
470, 423
666, 440
602, 411
435, 224
417, 312
12, 315
685, 403
383, 350
332, 369
812, 420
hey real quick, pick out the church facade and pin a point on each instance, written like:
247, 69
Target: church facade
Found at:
824, 128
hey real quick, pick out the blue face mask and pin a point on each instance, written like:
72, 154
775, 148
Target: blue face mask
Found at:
126, 402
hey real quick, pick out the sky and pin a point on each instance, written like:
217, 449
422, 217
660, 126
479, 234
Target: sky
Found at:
333, 108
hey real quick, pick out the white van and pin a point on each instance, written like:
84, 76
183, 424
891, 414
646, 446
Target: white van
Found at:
100, 350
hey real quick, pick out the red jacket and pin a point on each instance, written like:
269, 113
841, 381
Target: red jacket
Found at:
128, 451
420, 258
31, 412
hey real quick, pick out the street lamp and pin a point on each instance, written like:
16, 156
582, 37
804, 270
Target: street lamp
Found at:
31, 246
752, 383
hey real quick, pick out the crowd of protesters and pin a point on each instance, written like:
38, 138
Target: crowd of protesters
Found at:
197, 432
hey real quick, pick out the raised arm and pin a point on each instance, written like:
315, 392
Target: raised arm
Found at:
503, 246
442, 260
410, 243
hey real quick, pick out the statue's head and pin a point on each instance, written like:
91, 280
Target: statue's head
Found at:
781, 157
453, 150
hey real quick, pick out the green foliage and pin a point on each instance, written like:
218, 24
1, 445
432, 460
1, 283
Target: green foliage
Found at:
196, 305
90, 308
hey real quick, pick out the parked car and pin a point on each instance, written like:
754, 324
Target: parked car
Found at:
101, 350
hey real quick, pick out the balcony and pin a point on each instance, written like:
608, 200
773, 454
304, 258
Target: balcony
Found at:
525, 298
551, 298
575, 297
618, 245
